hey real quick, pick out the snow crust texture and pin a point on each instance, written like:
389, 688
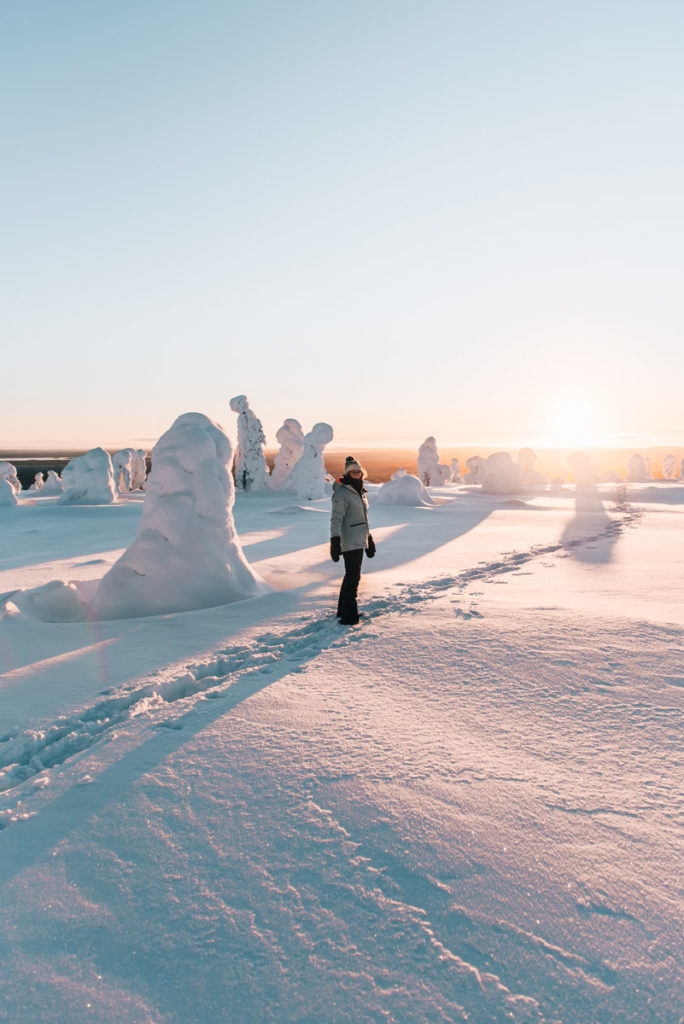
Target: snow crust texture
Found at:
186, 554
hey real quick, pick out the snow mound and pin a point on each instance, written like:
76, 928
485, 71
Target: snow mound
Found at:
89, 480
403, 490
56, 601
501, 474
186, 554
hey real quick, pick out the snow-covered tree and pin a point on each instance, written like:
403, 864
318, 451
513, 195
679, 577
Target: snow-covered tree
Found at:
309, 472
455, 467
186, 553
529, 475
637, 469
38, 482
476, 469
670, 467
290, 437
89, 479
583, 469
52, 486
8, 495
501, 474
8, 472
429, 469
251, 471
130, 469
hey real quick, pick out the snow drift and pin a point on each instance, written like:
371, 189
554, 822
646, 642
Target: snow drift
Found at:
404, 490
186, 554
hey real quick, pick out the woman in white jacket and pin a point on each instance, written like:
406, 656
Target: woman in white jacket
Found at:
350, 536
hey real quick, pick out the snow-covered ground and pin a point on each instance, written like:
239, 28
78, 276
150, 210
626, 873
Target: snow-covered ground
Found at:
466, 808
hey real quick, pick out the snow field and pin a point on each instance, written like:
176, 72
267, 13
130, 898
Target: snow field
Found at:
463, 809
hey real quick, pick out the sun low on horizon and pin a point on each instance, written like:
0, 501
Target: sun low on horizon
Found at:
571, 423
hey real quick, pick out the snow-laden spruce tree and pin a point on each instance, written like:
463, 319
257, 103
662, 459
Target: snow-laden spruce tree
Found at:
251, 471
637, 469
89, 479
584, 471
8, 472
290, 437
670, 467
526, 460
38, 482
52, 485
309, 473
501, 474
455, 469
130, 469
186, 553
8, 496
429, 472
476, 470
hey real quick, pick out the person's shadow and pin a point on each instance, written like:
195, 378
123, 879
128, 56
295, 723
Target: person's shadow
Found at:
590, 535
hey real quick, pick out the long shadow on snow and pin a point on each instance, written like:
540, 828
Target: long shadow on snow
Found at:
247, 670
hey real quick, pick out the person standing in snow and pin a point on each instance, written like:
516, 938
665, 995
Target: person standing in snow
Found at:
350, 536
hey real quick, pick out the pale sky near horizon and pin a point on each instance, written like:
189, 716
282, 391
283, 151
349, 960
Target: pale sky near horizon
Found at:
402, 218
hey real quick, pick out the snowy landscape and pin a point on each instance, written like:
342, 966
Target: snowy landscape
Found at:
218, 804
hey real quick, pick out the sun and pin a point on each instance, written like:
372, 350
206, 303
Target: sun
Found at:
571, 422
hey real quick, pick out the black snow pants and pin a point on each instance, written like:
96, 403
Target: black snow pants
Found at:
347, 609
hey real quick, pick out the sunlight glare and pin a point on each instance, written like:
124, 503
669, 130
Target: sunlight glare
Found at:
571, 423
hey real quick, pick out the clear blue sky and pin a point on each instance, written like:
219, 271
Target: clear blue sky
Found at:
405, 218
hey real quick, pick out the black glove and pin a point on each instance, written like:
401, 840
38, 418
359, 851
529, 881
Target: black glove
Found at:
370, 546
335, 548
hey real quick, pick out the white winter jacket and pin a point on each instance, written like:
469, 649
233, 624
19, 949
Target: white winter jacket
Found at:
349, 519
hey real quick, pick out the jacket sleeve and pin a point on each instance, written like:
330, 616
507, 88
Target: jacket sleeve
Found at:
338, 509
